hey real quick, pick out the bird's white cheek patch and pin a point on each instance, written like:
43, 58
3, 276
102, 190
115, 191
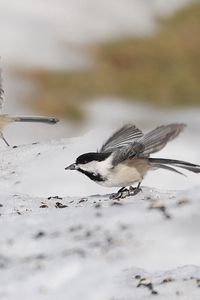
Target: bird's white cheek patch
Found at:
89, 167
97, 167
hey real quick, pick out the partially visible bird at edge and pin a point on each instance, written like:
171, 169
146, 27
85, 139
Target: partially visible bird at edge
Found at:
7, 119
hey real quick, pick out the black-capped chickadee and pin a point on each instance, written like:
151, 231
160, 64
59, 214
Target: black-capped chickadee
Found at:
124, 158
7, 119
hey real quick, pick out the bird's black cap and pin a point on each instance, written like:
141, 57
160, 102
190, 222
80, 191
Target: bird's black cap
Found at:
91, 156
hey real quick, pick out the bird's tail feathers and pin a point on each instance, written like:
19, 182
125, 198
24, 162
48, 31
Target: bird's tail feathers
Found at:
164, 162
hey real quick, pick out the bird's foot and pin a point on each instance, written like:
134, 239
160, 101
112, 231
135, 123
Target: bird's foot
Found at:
134, 190
124, 192
121, 194
3, 138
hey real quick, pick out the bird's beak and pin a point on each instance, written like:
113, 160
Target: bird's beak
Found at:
72, 167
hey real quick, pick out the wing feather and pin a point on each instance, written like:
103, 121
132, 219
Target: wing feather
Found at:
151, 142
156, 139
129, 152
122, 138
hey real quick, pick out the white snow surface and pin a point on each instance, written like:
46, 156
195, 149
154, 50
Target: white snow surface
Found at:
58, 246
77, 246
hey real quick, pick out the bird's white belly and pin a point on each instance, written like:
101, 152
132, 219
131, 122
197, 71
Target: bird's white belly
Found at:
121, 175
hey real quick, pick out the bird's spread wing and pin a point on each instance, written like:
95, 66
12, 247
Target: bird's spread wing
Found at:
1, 91
149, 143
156, 139
131, 151
122, 138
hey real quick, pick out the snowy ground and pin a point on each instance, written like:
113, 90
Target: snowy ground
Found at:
59, 246
57, 241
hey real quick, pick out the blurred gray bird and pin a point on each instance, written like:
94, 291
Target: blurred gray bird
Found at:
7, 119
124, 159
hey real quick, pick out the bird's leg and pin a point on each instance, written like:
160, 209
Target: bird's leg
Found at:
135, 190
122, 193
3, 138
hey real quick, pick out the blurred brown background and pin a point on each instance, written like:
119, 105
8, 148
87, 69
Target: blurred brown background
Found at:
85, 60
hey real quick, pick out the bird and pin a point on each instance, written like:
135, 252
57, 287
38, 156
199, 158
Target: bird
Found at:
7, 119
124, 159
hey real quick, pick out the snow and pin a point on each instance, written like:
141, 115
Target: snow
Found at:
62, 237
56, 245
